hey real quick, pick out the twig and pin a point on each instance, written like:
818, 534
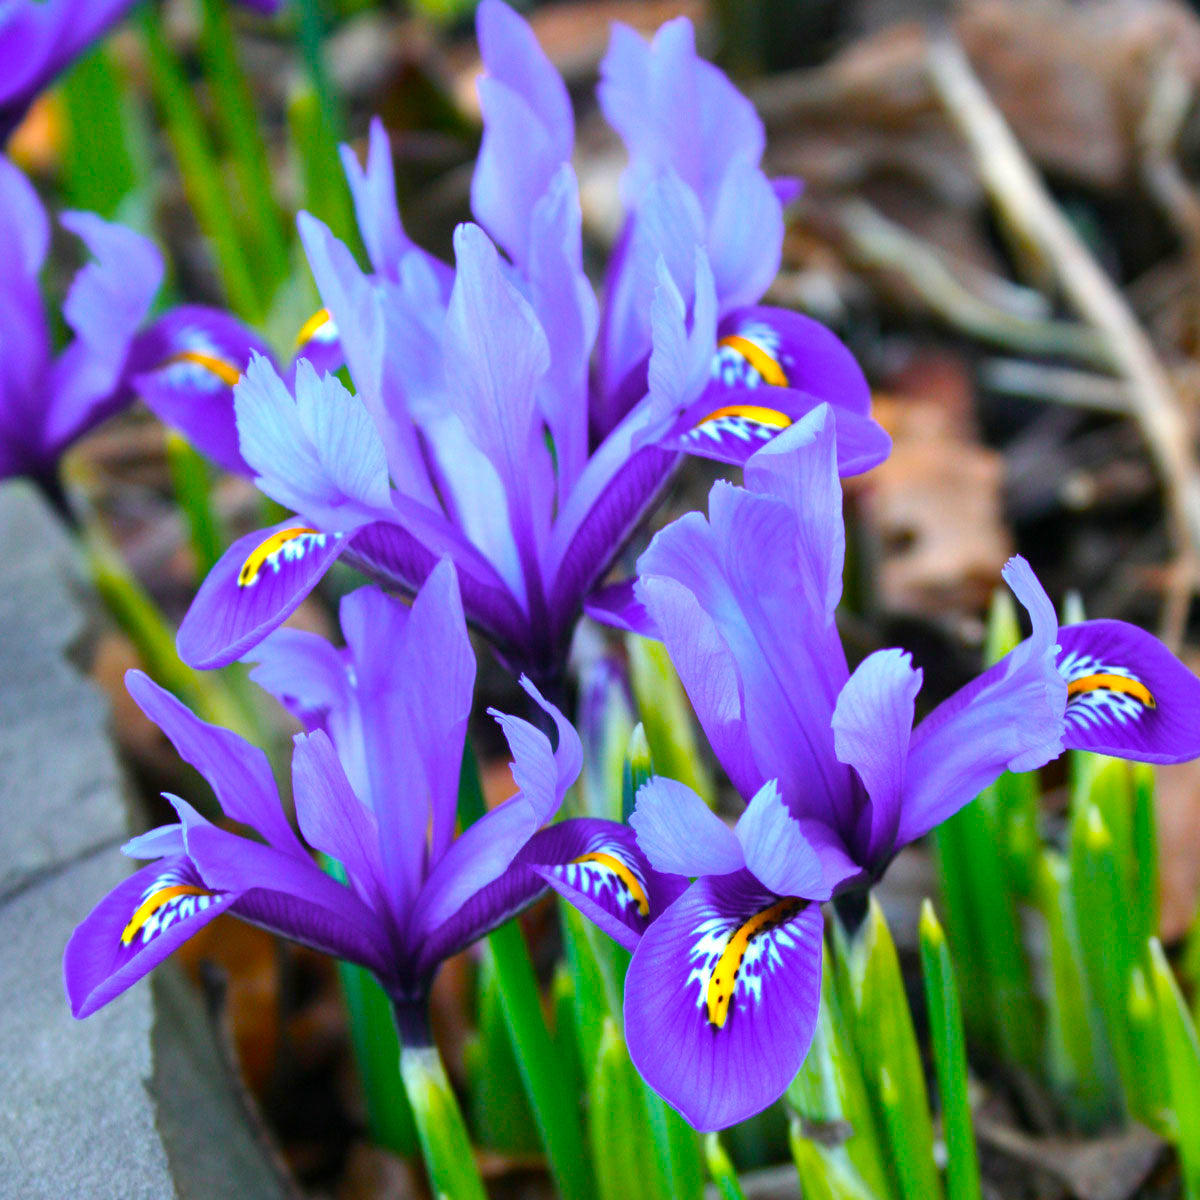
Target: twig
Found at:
1062, 385
1031, 215
879, 244
1167, 106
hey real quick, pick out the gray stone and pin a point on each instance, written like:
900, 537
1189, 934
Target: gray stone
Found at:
75, 1116
134, 1102
59, 779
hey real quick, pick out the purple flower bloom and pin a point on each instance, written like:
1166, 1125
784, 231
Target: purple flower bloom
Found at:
183, 363
721, 995
469, 434
375, 784
40, 38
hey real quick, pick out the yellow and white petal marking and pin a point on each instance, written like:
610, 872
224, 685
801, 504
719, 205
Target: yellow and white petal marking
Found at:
1099, 693
165, 901
319, 327
286, 546
749, 358
604, 874
731, 960
210, 364
742, 421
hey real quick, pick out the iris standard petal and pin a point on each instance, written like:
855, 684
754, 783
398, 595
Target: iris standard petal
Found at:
319, 454
303, 672
680, 834
374, 193
239, 773
255, 586
776, 851
186, 365
1127, 694
721, 998
1009, 718
137, 925
872, 725
745, 235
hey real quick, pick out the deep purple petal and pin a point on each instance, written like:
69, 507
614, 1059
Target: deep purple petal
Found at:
617, 606
139, 923
238, 773
680, 834
257, 584
598, 867
872, 725
1127, 694
1009, 718
717, 1074
188, 361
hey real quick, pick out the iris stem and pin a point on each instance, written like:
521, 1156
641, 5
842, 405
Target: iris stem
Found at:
721, 1169
440, 1127
192, 480
554, 1107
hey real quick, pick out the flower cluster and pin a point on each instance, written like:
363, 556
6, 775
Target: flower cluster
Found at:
505, 435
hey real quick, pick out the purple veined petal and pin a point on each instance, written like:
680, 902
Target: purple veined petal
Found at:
415, 700
617, 606
137, 925
1009, 718
108, 301
598, 867
776, 851
354, 303
256, 585
721, 998
729, 424
399, 558
496, 357
290, 895
565, 303
333, 819
320, 453
238, 772
799, 467
738, 601
24, 363
303, 672
189, 360
764, 345
1127, 694
745, 235
872, 725
680, 834
528, 128
374, 192
511, 53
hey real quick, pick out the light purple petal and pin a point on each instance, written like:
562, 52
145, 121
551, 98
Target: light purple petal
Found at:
777, 853
255, 586
303, 672
680, 834
239, 773
374, 192
872, 724
717, 1075
1009, 718
137, 925
1127, 694
745, 235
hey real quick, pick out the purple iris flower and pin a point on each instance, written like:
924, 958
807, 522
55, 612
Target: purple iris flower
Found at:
41, 38
183, 363
375, 784
469, 434
721, 996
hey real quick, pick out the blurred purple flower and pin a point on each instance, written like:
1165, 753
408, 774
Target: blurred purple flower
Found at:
41, 38
183, 363
375, 784
836, 777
